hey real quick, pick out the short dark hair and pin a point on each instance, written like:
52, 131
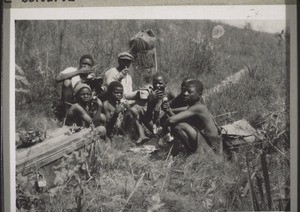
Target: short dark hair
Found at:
159, 74
113, 85
197, 84
186, 80
86, 56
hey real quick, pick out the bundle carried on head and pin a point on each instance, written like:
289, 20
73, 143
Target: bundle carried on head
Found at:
142, 47
143, 41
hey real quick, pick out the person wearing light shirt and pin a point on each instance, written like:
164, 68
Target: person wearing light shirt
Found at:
121, 74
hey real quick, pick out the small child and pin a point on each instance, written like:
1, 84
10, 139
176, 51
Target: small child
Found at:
150, 116
195, 127
114, 108
157, 97
86, 112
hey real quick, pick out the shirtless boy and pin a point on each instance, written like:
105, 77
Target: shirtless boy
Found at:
177, 104
194, 128
114, 108
86, 111
150, 116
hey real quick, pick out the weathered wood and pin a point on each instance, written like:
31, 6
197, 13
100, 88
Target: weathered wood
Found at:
41, 154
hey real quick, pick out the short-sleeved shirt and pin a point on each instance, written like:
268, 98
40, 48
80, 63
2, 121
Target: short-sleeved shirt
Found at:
74, 79
114, 75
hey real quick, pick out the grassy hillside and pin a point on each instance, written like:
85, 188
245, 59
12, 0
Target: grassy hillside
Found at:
184, 48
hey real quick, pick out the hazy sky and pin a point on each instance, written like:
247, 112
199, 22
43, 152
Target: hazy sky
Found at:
267, 18
272, 26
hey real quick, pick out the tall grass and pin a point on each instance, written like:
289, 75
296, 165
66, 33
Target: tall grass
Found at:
185, 184
184, 48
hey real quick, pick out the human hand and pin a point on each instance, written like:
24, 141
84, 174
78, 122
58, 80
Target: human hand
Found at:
157, 94
126, 105
125, 71
85, 70
165, 106
92, 126
169, 122
119, 108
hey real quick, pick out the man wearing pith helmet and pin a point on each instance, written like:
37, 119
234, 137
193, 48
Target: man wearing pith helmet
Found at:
121, 74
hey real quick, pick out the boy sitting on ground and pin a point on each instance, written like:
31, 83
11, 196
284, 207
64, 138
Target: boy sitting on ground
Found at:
114, 108
155, 100
195, 127
86, 112
150, 116
177, 104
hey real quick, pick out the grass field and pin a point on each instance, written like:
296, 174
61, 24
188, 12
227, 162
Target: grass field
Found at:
124, 181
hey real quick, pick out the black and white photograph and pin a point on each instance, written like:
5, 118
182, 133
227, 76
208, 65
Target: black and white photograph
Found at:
151, 109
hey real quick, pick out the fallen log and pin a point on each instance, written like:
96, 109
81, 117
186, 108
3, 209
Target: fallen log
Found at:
39, 155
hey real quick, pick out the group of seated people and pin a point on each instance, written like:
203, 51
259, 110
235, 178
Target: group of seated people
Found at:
151, 111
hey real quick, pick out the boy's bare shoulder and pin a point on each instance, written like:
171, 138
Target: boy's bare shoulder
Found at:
198, 107
75, 106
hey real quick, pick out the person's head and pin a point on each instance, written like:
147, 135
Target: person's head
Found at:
158, 81
184, 82
82, 93
87, 61
124, 59
115, 90
193, 91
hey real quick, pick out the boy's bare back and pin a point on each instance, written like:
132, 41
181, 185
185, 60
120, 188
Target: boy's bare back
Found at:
202, 119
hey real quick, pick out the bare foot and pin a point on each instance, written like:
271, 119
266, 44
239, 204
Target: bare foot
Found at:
142, 140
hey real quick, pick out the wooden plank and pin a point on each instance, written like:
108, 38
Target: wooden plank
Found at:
52, 149
57, 132
50, 135
47, 146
